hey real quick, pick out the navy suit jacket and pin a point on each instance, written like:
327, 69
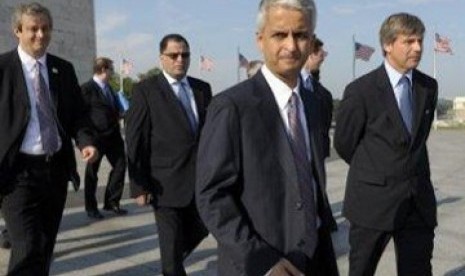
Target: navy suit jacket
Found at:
104, 116
247, 191
388, 167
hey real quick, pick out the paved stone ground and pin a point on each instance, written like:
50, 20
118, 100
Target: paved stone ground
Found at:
129, 245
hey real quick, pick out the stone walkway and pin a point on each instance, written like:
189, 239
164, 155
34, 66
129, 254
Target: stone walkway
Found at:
129, 245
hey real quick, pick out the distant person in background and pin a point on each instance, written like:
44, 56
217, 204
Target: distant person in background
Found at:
163, 126
253, 67
105, 112
41, 110
382, 126
260, 168
311, 80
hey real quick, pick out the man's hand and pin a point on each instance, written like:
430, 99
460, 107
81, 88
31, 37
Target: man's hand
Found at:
89, 154
143, 200
284, 268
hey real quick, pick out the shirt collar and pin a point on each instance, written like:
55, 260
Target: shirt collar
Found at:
394, 75
172, 81
282, 93
29, 61
99, 82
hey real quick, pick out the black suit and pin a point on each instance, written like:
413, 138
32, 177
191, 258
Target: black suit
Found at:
327, 114
35, 189
388, 185
161, 160
247, 191
105, 116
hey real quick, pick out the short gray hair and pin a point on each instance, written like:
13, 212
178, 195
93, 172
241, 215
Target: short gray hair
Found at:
397, 24
306, 6
33, 9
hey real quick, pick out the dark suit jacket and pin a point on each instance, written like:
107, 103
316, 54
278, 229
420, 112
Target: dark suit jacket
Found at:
326, 115
161, 147
247, 190
15, 110
387, 166
103, 115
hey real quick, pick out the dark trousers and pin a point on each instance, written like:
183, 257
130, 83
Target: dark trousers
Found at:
413, 247
180, 230
33, 212
113, 148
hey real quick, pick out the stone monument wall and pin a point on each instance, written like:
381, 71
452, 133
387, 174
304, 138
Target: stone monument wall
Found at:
73, 36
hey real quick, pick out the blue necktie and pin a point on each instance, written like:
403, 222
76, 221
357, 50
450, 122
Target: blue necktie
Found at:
45, 113
405, 102
186, 103
109, 95
304, 174
309, 84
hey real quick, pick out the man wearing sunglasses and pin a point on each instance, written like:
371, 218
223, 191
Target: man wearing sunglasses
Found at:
162, 133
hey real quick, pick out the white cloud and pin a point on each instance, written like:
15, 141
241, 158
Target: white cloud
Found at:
110, 22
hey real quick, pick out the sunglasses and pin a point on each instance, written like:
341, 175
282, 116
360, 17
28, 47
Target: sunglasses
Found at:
175, 56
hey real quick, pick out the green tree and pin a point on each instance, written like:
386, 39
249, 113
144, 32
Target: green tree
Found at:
151, 72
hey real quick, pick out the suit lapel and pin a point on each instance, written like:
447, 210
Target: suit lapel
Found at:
174, 102
389, 99
312, 104
53, 76
419, 98
199, 100
272, 121
22, 95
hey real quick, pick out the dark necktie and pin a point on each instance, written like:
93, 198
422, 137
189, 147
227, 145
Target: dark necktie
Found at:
304, 174
45, 113
309, 84
405, 102
109, 95
186, 103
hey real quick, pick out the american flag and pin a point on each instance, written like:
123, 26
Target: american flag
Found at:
126, 67
243, 62
363, 52
442, 44
206, 63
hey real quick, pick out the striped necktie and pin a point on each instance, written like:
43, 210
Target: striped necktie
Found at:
304, 173
45, 112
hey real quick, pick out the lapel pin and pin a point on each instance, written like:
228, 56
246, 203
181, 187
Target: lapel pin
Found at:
54, 70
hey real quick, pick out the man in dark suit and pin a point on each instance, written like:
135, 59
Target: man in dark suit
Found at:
382, 126
260, 169
311, 80
41, 109
311, 77
162, 132
105, 112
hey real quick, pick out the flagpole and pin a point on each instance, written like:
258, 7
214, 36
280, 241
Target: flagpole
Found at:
353, 61
238, 65
435, 122
121, 73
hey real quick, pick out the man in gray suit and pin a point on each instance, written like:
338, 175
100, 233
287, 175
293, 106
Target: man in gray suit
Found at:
260, 177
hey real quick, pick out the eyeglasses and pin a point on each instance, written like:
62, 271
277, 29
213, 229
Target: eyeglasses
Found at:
175, 56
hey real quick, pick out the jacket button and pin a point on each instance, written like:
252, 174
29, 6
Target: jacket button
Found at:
301, 243
298, 205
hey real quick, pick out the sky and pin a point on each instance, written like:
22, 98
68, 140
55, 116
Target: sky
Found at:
219, 29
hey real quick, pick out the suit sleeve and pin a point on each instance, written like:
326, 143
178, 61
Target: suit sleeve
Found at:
219, 185
138, 143
350, 123
82, 130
